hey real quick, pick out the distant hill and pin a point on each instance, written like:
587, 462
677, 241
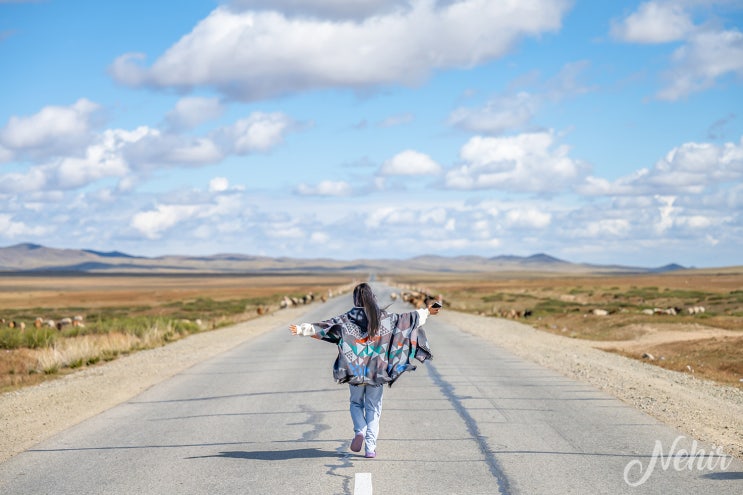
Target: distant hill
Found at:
111, 254
36, 258
670, 268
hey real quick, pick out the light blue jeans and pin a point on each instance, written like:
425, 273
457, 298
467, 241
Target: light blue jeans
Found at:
366, 409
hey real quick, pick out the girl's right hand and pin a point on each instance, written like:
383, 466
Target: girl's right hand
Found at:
293, 329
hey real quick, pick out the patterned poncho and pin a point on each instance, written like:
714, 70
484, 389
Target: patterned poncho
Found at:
374, 360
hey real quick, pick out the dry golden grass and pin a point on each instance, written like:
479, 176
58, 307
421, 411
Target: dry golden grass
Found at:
718, 359
95, 291
168, 306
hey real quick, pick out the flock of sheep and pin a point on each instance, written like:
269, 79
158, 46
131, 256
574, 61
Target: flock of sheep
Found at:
692, 310
526, 313
288, 302
417, 298
75, 321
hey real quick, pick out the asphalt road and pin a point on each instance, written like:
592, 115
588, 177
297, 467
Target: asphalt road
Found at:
267, 418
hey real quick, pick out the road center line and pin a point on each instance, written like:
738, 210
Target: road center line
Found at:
448, 390
362, 484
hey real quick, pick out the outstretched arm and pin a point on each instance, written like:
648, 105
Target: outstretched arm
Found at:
302, 330
424, 313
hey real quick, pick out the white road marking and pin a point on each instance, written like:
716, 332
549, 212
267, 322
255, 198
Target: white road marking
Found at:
362, 484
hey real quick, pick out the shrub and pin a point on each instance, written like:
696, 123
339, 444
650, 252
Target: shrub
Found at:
552, 306
36, 338
497, 297
10, 338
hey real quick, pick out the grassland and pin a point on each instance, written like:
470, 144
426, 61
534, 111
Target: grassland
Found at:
123, 314
708, 344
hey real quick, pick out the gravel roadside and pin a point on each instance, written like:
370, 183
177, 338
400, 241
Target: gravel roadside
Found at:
704, 410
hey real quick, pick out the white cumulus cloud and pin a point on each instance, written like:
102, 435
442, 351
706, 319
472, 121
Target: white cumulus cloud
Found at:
153, 223
14, 229
691, 168
530, 218
257, 132
53, 130
654, 22
707, 56
329, 9
132, 154
410, 162
259, 54
530, 162
498, 114
708, 52
218, 184
191, 112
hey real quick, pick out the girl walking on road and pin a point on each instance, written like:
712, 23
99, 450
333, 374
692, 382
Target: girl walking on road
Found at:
374, 347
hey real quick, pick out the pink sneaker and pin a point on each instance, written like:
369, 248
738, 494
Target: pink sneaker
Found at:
371, 455
357, 441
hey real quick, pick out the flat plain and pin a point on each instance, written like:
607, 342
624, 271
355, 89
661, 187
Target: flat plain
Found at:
628, 314
120, 314
689, 321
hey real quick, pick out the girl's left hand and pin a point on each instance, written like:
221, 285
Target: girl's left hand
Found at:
293, 329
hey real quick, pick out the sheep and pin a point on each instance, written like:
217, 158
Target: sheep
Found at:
513, 314
668, 311
308, 298
17, 324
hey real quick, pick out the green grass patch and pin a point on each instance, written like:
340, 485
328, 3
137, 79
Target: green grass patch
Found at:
498, 297
33, 338
643, 292
555, 306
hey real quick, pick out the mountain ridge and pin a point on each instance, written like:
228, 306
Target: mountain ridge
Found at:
29, 257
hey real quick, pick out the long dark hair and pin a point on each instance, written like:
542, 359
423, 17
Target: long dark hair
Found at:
363, 297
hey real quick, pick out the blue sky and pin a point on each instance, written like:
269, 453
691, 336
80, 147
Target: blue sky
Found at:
599, 132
